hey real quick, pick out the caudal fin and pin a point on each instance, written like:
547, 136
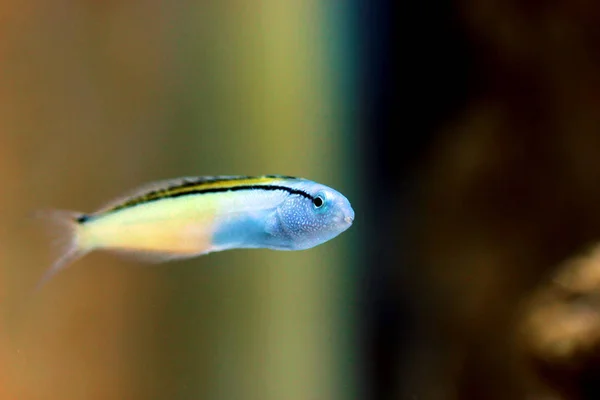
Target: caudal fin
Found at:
65, 232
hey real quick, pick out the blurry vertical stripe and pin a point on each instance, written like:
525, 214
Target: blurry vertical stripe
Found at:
340, 35
56, 91
7, 163
12, 14
342, 63
289, 122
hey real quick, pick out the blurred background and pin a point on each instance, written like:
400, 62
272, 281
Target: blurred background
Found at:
465, 134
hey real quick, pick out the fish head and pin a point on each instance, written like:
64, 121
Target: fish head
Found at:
313, 214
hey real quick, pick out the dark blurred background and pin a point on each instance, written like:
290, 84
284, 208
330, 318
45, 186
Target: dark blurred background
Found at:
481, 139
465, 134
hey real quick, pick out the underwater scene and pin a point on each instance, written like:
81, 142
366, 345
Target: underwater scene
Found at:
299, 200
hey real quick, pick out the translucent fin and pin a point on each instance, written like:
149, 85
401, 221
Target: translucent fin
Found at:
160, 185
145, 189
64, 231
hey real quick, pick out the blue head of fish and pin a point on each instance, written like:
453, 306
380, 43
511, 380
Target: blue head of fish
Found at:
301, 222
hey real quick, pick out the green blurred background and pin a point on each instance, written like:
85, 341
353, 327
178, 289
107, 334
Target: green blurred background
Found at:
100, 96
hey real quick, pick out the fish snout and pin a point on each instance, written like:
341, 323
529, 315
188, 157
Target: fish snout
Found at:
349, 216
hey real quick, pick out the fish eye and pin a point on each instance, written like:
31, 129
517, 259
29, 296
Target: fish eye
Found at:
318, 201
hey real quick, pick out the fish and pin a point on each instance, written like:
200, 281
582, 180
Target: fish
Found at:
192, 216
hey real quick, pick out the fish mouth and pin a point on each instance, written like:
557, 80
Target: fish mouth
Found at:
349, 217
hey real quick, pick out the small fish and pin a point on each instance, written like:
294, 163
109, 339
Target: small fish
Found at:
188, 217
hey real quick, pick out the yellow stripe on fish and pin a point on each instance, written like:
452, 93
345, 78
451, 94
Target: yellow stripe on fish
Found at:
183, 186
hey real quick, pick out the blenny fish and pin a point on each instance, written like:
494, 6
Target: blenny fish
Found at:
191, 216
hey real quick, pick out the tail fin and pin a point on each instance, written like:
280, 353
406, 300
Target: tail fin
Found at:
65, 231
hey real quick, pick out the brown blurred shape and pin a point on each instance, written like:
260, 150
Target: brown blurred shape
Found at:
509, 192
560, 331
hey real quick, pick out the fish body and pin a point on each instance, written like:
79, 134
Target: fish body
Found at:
188, 217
